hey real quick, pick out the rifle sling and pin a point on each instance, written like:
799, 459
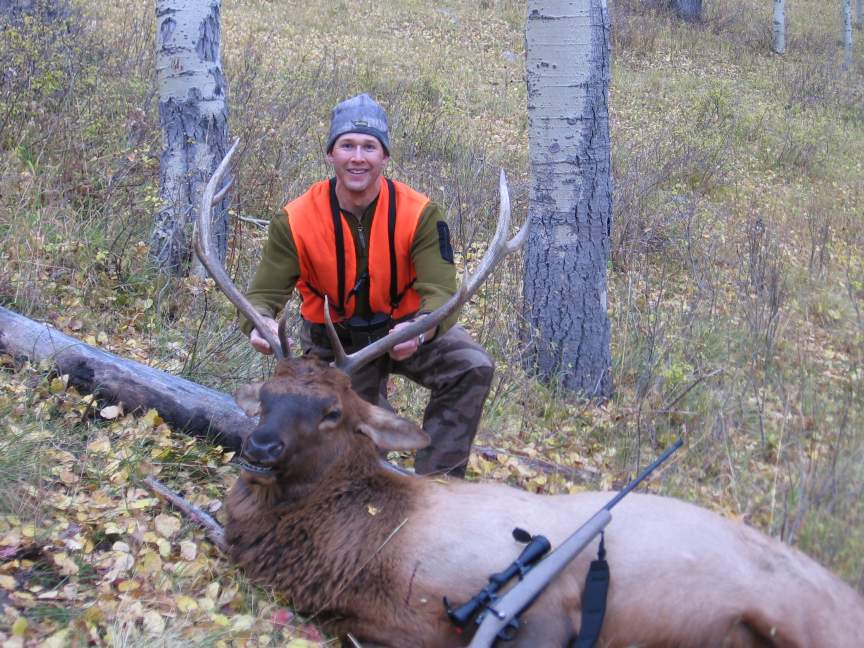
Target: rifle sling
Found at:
594, 600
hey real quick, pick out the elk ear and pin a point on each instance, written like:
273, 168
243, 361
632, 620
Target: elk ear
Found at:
391, 432
248, 398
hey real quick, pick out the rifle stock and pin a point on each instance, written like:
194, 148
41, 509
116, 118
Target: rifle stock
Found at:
529, 588
522, 595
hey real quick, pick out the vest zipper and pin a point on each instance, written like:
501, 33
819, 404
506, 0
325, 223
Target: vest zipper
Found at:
361, 235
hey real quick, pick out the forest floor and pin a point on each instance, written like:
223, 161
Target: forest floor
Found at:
736, 281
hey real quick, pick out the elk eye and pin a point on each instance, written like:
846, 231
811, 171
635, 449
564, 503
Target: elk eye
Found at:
333, 415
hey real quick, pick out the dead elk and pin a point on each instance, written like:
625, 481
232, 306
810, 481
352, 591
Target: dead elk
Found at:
372, 552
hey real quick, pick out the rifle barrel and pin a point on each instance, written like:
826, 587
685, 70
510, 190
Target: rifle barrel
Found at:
633, 484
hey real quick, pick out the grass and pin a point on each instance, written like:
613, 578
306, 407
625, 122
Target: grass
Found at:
735, 287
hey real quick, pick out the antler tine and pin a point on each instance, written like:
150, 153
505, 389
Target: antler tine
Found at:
335, 343
203, 245
498, 248
218, 197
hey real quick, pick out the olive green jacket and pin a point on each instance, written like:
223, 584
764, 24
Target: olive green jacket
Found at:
279, 268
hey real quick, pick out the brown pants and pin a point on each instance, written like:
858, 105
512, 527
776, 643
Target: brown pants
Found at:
456, 370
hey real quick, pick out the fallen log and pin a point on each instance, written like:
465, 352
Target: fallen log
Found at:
183, 404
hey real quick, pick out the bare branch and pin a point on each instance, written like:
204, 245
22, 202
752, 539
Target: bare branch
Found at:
203, 245
499, 247
211, 527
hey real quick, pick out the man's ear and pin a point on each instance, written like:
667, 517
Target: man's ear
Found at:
248, 398
391, 432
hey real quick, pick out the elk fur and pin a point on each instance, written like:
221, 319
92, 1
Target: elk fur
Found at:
371, 552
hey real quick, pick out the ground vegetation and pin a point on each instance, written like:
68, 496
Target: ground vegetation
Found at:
736, 281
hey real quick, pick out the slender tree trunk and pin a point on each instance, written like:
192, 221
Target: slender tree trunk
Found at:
571, 193
42, 9
859, 13
780, 26
193, 110
689, 10
847, 33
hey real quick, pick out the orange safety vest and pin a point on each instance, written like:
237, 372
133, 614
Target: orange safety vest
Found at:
328, 262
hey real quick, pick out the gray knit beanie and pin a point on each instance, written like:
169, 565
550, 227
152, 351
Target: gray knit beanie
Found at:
359, 114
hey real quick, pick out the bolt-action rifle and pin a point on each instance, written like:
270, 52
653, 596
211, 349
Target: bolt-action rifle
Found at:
501, 614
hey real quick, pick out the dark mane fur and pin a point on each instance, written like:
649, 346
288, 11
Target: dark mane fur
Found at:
322, 551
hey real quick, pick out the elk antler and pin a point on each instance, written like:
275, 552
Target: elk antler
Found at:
499, 247
203, 244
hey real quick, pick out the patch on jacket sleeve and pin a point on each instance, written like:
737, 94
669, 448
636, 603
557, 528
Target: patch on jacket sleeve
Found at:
444, 242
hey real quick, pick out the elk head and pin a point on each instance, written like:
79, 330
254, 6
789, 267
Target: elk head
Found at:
310, 418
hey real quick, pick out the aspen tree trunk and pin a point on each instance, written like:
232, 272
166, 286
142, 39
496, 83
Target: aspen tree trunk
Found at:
689, 10
847, 34
570, 202
780, 26
193, 111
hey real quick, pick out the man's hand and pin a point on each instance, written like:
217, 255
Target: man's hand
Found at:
407, 349
259, 343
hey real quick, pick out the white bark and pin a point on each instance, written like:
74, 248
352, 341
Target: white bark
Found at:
570, 204
193, 110
780, 26
847, 33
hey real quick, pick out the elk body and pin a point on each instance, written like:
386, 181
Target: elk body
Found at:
372, 552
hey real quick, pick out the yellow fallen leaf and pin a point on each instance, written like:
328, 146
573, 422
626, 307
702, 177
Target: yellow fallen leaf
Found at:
154, 624
111, 412
166, 525
99, 446
146, 502
67, 566
120, 477
373, 510
149, 563
57, 640
186, 603
152, 418
69, 478
128, 586
164, 547
19, 627
11, 539
220, 620
7, 582
188, 550
242, 622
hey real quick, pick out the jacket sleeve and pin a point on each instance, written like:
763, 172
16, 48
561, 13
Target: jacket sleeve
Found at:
277, 272
432, 256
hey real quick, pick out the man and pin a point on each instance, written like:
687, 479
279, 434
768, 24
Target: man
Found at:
381, 252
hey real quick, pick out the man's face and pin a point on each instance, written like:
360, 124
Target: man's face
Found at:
358, 161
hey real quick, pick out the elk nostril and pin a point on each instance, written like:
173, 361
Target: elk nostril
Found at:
267, 451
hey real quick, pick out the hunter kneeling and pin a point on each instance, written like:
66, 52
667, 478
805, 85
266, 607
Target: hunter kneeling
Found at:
380, 252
